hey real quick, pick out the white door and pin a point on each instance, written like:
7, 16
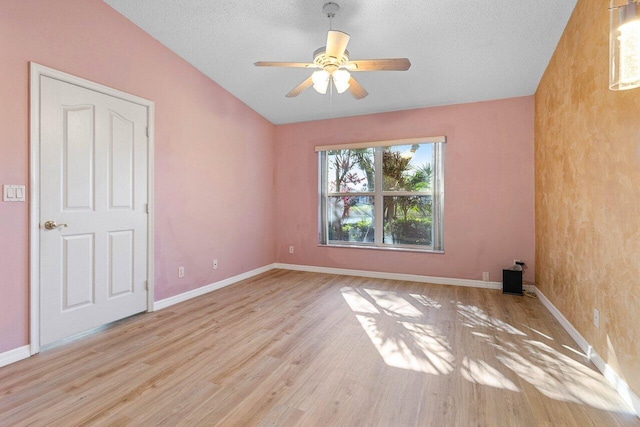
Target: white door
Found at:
93, 194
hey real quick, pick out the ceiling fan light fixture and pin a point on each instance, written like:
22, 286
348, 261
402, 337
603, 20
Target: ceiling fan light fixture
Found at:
334, 64
341, 80
320, 81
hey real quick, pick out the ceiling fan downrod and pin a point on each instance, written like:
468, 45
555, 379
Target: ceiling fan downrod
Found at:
330, 9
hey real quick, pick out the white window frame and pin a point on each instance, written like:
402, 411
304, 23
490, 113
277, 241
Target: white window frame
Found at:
378, 194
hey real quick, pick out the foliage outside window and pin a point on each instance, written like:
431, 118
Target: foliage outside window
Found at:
386, 195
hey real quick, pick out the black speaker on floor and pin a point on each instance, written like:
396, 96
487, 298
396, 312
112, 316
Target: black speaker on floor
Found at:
512, 282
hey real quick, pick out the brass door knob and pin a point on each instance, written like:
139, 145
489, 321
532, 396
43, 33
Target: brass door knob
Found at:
51, 225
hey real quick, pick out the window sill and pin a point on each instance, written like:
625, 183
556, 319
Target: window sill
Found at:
382, 248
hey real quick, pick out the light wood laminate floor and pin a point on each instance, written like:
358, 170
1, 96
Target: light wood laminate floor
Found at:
294, 348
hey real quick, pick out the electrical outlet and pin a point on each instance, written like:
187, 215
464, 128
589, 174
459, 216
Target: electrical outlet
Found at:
290, 249
180, 272
596, 318
215, 264
485, 276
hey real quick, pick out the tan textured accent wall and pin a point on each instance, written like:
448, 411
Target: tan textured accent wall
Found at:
587, 161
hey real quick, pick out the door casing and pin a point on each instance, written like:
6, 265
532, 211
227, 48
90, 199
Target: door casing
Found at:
36, 71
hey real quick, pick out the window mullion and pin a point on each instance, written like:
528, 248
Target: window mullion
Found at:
406, 193
378, 198
322, 194
438, 191
349, 194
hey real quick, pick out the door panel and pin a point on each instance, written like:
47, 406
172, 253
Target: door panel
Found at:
121, 262
93, 173
78, 284
78, 141
121, 161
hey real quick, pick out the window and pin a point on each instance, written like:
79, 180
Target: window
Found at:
383, 194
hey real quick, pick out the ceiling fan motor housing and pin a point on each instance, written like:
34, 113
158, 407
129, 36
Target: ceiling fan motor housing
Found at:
329, 63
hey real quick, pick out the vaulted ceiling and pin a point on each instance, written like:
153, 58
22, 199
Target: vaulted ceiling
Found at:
461, 51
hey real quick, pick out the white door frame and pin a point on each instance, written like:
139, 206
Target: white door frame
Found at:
37, 71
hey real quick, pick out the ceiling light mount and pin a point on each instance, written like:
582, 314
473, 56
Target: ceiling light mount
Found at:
330, 9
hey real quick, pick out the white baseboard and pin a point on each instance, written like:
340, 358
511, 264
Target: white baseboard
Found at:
392, 276
614, 379
159, 305
14, 355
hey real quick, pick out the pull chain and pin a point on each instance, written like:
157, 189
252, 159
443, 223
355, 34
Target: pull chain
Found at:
331, 96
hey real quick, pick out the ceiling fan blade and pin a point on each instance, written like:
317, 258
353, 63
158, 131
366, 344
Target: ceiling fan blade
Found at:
356, 90
336, 43
302, 86
390, 64
285, 64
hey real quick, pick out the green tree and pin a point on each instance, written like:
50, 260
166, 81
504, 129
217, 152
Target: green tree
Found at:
397, 176
345, 179
394, 172
365, 161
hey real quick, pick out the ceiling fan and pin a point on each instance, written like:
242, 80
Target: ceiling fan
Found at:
335, 66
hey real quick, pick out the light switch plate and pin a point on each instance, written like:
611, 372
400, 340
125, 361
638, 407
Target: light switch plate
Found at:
13, 193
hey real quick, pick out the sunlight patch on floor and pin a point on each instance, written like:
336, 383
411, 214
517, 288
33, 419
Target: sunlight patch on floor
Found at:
476, 317
560, 377
480, 372
426, 301
579, 353
357, 302
409, 346
399, 327
393, 304
538, 332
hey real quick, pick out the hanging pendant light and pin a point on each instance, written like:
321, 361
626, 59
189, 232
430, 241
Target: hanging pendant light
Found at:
624, 46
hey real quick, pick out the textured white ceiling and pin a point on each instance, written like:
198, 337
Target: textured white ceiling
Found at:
461, 51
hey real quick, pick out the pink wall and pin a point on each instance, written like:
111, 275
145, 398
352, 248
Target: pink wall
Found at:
215, 162
489, 191
214, 156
